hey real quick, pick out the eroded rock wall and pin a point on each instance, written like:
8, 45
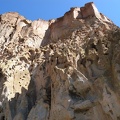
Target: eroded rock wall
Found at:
63, 69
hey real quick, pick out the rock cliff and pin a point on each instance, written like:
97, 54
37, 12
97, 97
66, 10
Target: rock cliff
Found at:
62, 69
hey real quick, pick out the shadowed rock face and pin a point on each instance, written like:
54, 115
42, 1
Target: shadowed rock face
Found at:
63, 69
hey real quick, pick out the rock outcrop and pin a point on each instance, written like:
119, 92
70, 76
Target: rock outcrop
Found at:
63, 69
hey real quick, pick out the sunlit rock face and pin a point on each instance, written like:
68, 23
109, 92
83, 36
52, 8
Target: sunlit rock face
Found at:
62, 69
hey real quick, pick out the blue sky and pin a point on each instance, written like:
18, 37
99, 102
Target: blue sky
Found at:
49, 9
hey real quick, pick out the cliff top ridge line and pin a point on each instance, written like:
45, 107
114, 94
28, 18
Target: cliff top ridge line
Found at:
89, 9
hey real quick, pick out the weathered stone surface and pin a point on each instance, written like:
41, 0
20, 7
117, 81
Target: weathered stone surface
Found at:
63, 69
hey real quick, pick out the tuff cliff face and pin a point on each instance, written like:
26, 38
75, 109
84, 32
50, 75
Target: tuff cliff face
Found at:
63, 69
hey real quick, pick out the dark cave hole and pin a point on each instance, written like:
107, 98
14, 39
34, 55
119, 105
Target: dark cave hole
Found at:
93, 46
3, 118
2, 76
